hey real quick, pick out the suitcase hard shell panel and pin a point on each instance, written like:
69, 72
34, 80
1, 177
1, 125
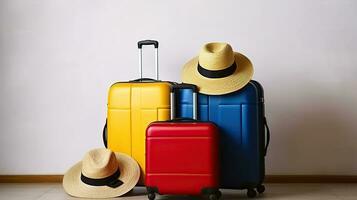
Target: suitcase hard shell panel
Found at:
131, 108
182, 157
239, 116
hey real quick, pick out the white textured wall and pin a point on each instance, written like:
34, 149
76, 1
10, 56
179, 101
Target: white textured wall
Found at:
58, 58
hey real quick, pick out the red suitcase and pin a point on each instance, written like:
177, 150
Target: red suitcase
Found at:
182, 155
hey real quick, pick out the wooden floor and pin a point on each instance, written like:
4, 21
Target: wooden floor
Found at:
54, 191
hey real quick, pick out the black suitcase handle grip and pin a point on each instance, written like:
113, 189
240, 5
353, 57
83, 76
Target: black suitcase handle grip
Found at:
184, 86
268, 136
148, 42
182, 119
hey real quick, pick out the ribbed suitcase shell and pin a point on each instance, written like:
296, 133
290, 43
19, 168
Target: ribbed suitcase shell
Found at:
132, 106
182, 157
240, 117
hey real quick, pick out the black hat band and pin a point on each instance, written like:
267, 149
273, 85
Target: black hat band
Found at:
111, 181
217, 73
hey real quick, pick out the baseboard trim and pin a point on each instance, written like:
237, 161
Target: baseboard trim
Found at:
311, 179
268, 179
31, 178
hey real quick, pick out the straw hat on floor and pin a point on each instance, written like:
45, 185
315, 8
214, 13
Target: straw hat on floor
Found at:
102, 174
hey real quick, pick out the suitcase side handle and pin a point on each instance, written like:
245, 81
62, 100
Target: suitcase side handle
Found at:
105, 134
156, 45
268, 136
176, 87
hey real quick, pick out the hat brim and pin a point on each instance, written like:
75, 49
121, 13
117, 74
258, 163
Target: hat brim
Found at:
129, 175
218, 86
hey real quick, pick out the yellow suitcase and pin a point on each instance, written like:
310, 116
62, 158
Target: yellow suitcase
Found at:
132, 106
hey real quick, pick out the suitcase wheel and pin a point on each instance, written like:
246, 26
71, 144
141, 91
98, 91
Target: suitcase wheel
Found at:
151, 196
260, 189
151, 192
213, 196
251, 193
219, 194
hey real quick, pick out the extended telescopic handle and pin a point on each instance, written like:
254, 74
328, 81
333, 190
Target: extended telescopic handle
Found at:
156, 45
173, 99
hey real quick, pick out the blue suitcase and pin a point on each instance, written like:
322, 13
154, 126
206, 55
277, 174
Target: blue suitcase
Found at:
241, 119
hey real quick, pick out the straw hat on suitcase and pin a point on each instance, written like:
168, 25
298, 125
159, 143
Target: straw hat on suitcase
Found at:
218, 69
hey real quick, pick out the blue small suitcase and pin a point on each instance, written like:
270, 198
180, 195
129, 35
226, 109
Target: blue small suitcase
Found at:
241, 119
